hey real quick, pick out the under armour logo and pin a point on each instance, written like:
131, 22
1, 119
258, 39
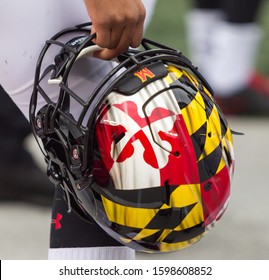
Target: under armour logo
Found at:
56, 221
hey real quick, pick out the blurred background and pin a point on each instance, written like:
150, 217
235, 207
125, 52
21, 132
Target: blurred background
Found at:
243, 231
168, 26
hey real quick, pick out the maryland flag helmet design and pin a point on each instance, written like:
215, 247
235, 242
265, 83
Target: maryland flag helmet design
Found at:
149, 156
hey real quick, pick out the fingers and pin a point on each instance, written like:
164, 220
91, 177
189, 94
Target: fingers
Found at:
129, 36
117, 27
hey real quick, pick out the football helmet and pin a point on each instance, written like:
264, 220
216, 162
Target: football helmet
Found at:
148, 155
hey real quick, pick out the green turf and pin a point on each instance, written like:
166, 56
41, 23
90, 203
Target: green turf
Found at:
168, 27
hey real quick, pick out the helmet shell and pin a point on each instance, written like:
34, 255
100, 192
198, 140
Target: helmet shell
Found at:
164, 162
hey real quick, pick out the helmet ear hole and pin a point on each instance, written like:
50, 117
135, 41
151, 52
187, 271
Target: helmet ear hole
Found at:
176, 153
138, 145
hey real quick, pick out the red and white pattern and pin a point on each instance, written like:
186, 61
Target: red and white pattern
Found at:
153, 143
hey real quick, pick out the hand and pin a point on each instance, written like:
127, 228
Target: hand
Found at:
118, 24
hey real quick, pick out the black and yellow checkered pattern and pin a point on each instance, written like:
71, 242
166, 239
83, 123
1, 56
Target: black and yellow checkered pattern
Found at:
152, 226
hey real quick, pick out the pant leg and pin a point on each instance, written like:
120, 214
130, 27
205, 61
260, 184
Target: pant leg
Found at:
72, 237
70, 230
241, 11
236, 11
14, 128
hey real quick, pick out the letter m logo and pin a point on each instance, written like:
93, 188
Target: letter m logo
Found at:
144, 74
